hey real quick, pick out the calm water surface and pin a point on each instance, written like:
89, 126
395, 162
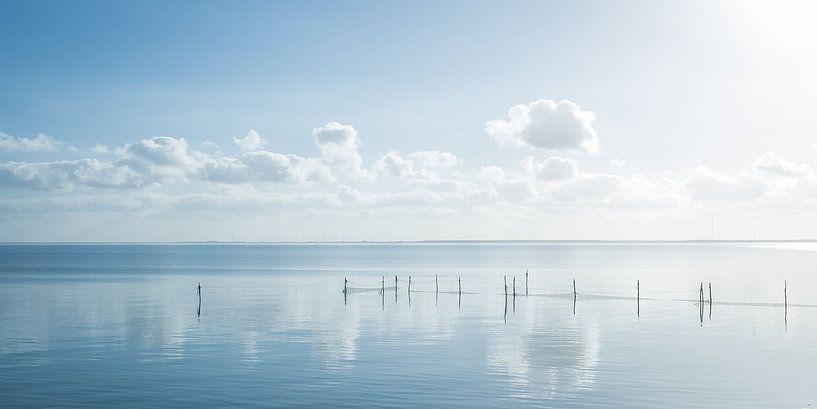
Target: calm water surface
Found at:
85, 326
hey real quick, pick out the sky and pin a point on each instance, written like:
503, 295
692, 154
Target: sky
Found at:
380, 121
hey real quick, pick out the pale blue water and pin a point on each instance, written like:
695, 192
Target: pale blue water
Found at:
85, 326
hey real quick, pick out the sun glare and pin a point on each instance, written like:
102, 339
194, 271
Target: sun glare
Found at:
796, 20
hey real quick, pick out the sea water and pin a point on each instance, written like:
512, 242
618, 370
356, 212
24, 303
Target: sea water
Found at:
84, 326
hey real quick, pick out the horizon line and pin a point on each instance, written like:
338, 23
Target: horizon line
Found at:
462, 241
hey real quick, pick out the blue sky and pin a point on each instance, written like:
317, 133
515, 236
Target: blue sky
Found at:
674, 88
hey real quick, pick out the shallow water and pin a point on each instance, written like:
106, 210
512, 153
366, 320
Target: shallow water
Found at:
118, 326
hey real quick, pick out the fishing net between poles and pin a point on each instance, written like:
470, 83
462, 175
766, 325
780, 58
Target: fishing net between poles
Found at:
352, 290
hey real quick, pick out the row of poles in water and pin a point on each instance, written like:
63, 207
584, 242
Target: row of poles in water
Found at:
702, 301
383, 284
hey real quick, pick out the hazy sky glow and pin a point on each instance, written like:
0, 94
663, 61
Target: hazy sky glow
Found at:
157, 121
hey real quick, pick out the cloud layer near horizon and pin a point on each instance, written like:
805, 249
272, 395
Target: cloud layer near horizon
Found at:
168, 176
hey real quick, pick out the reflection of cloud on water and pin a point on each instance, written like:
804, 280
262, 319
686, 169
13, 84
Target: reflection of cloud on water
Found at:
331, 328
543, 359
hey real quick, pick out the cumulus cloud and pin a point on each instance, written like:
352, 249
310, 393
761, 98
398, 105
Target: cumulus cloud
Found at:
65, 175
338, 144
101, 149
492, 173
347, 194
553, 168
276, 167
705, 184
588, 187
395, 165
204, 179
161, 159
773, 164
40, 143
434, 159
547, 124
250, 142
617, 163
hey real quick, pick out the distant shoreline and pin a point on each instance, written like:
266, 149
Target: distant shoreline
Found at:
216, 242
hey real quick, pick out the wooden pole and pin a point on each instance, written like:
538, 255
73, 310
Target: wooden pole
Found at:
710, 296
574, 288
344, 284
459, 284
785, 294
638, 297
436, 285
505, 281
526, 282
383, 285
514, 287
409, 285
702, 302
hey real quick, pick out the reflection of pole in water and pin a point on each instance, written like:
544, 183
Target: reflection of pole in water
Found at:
505, 311
701, 302
786, 303
436, 290
459, 296
198, 311
710, 301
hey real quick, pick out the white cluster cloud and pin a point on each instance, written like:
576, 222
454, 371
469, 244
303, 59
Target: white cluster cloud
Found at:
163, 159
417, 165
588, 188
65, 175
169, 173
250, 142
434, 159
554, 168
339, 144
773, 164
547, 124
617, 162
40, 143
704, 184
